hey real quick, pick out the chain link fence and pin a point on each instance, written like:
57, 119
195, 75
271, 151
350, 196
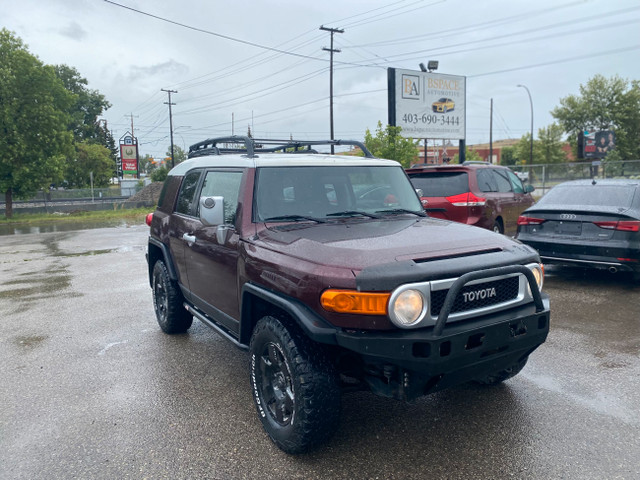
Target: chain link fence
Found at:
546, 176
80, 198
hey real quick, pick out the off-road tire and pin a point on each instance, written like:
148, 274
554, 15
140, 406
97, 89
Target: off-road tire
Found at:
295, 386
168, 302
502, 375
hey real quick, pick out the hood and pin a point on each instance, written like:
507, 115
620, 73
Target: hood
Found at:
361, 243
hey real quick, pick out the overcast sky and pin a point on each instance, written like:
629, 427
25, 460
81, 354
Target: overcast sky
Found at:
261, 63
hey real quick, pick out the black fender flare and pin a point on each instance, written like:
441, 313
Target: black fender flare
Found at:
168, 259
314, 326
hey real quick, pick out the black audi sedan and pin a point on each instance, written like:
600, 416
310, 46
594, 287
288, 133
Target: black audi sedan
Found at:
592, 223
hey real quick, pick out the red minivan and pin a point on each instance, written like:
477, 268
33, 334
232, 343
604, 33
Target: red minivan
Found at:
480, 194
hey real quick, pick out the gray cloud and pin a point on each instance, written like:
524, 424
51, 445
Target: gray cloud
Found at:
170, 67
74, 31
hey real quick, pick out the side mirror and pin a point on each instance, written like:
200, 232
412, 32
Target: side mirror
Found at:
212, 210
528, 188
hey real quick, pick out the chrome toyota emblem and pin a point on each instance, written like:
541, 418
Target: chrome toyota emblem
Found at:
568, 216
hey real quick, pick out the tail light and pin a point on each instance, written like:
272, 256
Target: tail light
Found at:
522, 220
149, 218
622, 225
466, 200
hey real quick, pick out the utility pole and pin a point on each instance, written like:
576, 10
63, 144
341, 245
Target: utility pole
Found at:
331, 52
131, 116
169, 92
491, 133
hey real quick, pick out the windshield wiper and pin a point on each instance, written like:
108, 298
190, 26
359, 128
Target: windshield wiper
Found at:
392, 211
293, 218
352, 213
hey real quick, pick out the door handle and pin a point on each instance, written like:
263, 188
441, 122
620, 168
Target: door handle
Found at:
189, 238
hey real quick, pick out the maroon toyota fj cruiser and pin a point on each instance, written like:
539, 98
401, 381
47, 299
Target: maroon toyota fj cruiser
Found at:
328, 271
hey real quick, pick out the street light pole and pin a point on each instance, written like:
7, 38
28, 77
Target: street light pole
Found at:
531, 145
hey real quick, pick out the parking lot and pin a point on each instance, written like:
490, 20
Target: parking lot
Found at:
92, 389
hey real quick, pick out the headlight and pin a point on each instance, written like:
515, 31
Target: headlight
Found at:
538, 273
408, 307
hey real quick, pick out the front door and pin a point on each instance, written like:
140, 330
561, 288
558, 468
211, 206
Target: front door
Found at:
211, 255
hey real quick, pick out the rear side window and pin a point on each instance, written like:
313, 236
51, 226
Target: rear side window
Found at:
486, 181
441, 184
502, 179
188, 192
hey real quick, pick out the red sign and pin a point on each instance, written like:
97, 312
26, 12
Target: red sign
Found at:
129, 156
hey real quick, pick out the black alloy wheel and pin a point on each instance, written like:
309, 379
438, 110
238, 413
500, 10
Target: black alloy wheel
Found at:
168, 302
296, 389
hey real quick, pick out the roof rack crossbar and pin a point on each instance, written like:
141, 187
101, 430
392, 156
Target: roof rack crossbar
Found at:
252, 146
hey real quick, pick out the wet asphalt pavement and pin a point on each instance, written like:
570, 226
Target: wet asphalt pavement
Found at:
91, 389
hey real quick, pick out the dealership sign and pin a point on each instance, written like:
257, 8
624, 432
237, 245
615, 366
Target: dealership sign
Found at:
426, 104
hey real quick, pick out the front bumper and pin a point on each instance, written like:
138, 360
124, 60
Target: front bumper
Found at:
410, 363
464, 344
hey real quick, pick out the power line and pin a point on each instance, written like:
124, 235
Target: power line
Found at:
563, 60
437, 50
468, 28
209, 32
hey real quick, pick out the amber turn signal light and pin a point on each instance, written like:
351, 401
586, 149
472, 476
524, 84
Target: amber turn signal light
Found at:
351, 301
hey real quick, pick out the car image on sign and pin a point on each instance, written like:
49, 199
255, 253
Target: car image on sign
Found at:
443, 105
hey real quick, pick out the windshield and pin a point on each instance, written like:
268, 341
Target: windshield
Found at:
326, 192
590, 195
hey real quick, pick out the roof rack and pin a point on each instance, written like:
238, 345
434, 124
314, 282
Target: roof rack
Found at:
476, 162
253, 146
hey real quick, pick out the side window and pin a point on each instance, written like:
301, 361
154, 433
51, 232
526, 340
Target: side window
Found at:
504, 185
515, 182
188, 192
223, 184
486, 182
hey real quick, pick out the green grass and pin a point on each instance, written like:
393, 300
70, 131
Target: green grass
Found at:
133, 214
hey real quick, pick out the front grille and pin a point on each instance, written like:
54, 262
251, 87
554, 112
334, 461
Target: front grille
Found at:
506, 289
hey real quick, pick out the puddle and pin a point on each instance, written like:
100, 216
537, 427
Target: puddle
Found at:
30, 287
29, 341
64, 226
90, 253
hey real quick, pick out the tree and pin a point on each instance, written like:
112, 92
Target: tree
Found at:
522, 151
159, 174
34, 139
87, 107
388, 143
147, 164
604, 104
83, 117
469, 156
89, 157
548, 147
508, 156
179, 155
